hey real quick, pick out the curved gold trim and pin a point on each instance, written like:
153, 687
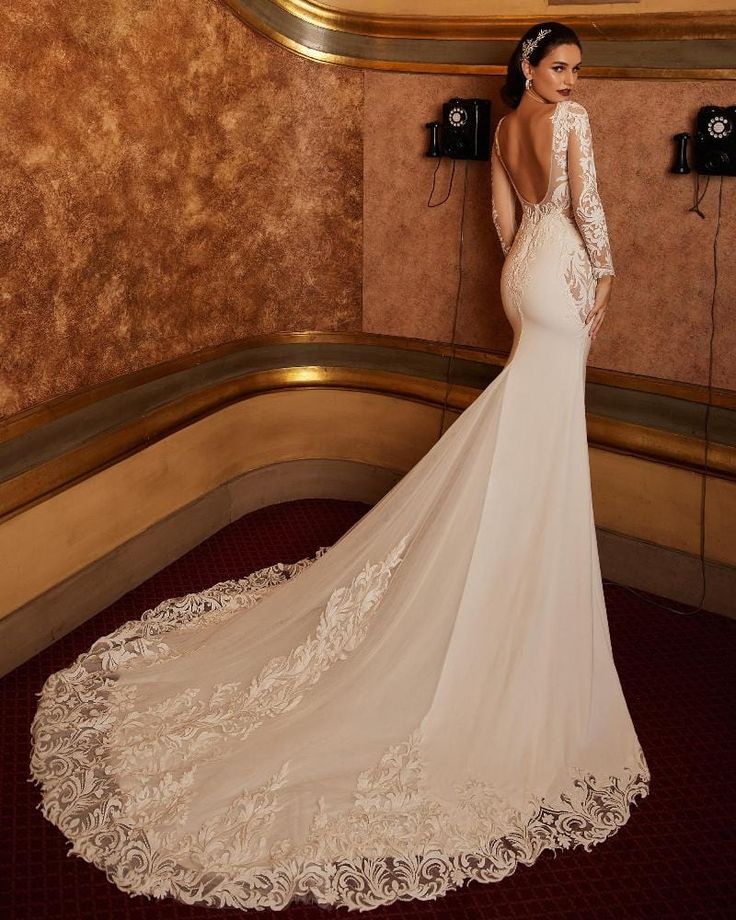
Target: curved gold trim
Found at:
36, 416
719, 24
317, 33
110, 446
49, 478
661, 446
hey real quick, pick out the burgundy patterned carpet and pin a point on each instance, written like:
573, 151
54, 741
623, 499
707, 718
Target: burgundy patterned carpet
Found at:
674, 858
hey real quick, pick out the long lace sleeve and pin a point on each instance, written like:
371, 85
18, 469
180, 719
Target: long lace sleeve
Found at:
503, 203
586, 202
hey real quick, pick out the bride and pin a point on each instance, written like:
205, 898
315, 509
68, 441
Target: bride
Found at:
432, 699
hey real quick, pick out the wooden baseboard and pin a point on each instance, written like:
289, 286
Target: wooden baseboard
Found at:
667, 572
39, 623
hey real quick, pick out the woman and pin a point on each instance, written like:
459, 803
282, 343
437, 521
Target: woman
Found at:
433, 699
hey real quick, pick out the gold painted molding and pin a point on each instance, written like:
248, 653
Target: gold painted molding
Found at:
41, 482
661, 446
36, 416
647, 45
120, 437
622, 26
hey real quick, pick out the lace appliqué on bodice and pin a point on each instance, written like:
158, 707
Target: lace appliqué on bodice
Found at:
572, 194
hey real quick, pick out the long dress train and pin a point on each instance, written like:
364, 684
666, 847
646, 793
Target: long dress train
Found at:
432, 699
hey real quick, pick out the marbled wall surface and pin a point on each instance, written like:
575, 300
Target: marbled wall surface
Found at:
170, 180
659, 319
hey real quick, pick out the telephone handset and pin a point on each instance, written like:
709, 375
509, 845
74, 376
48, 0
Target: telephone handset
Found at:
465, 130
714, 143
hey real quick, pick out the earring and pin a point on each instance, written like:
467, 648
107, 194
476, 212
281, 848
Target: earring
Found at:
528, 82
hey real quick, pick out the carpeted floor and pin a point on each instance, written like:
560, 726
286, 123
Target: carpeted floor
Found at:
674, 858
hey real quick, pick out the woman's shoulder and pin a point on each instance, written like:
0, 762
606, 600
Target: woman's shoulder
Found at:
570, 107
575, 108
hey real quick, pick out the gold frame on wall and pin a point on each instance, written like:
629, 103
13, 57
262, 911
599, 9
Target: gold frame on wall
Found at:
684, 46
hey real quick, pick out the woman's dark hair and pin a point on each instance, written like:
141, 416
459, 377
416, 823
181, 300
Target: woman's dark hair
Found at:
559, 34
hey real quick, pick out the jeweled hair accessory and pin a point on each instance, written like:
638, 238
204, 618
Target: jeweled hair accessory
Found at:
531, 43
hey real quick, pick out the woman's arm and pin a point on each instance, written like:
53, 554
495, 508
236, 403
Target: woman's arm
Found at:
586, 202
503, 203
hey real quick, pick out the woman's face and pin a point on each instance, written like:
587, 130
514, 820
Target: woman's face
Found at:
557, 71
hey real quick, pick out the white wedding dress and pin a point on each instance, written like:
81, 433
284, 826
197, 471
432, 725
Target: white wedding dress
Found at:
431, 700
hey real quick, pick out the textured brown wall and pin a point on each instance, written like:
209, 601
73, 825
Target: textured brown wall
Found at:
170, 181
658, 321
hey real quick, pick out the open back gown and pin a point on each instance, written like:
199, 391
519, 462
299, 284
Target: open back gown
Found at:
431, 700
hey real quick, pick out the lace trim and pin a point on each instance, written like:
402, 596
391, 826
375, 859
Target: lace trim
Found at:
580, 283
551, 202
588, 209
595, 260
536, 235
166, 735
505, 247
136, 640
501, 186
396, 842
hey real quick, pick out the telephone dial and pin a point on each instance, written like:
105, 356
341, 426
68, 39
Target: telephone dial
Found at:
715, 143
465, 130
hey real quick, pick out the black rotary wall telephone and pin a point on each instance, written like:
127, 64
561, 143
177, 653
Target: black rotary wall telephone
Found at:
463, 134
715, 142
465, 130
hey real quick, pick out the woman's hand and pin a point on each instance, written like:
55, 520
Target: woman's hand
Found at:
598, 310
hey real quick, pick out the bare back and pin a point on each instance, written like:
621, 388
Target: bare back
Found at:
543, 160
525, 141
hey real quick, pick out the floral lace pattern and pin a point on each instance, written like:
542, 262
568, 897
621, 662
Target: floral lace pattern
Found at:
586, 202
160, 739
480, 835
397, 841
572, 194
137, 640
497, 223
580, 283
534, 236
